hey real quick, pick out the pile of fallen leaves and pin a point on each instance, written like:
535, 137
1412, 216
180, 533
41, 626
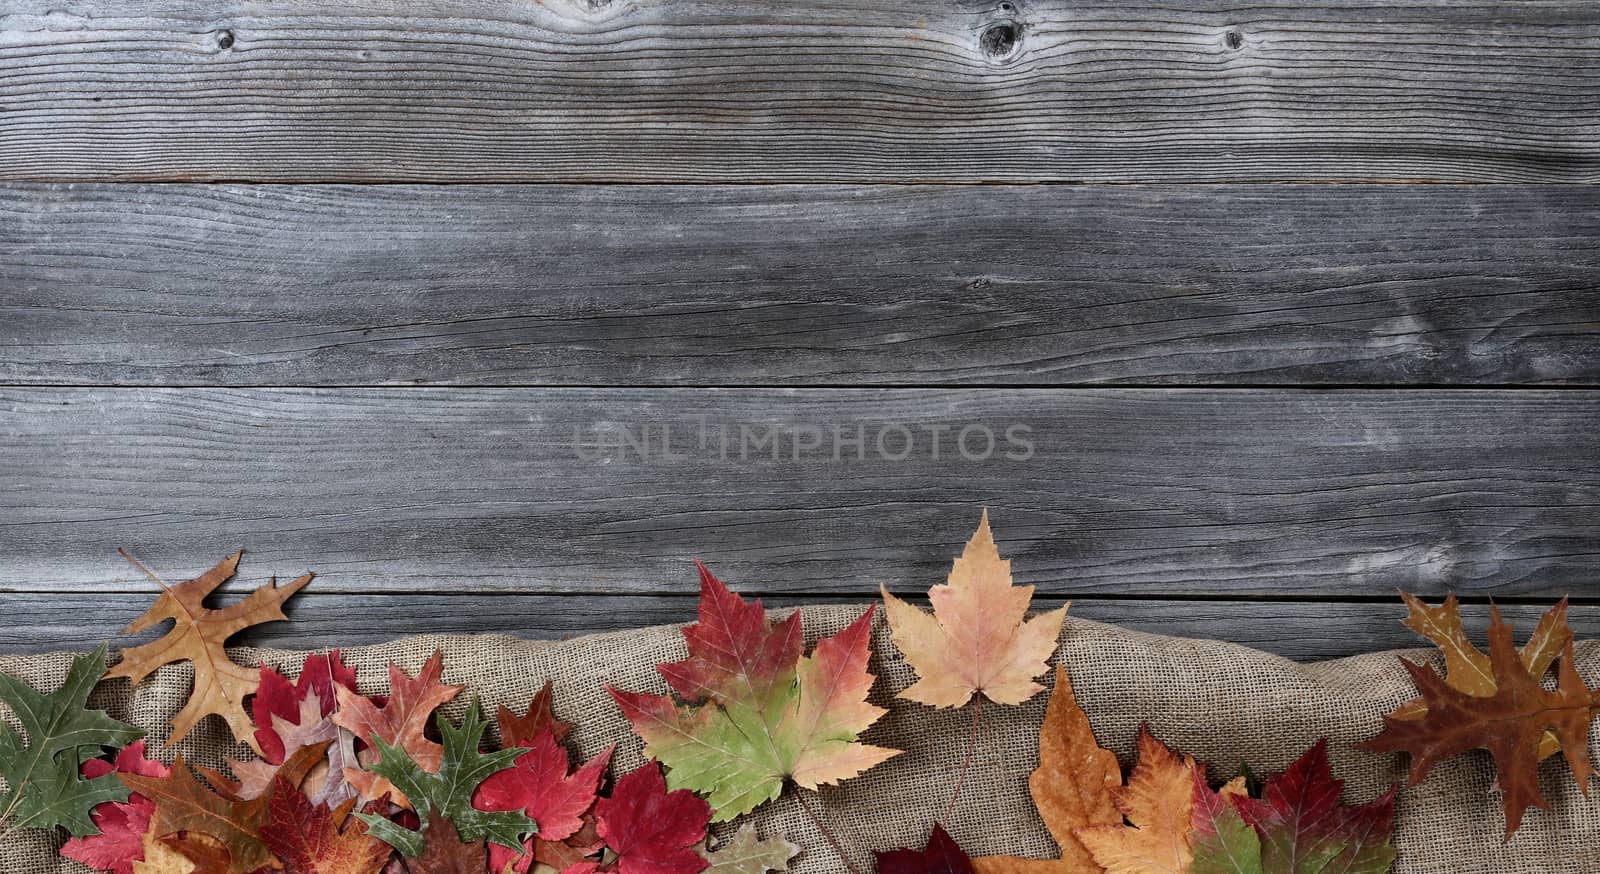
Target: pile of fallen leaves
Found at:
337, 782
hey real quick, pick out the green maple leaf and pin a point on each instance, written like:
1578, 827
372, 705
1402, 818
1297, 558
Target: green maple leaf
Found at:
41, 766
448, 792
758, 711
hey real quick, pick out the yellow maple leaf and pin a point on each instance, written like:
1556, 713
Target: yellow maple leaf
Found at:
978, 639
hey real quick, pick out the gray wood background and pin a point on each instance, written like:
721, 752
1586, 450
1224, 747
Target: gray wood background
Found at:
456, 302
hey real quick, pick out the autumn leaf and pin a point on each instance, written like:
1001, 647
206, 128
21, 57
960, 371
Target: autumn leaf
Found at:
401, 722
1467, 668
42, 766
1508, 723
159, 857
308, 838
651, 830
279, 700
198, 635
325, 783
1157, 801
1071, 789
941, 856
184, 804
444, 852
446, 793
1298, 825
976, 640
122, 824
539, 783
758, 712
748, 854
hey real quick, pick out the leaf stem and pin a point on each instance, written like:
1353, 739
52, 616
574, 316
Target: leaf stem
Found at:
966, 760
826, 832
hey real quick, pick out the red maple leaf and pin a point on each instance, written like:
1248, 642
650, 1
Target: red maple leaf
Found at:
651, 830
277, 696
122, 824
308, 838
1299, 818
942, 856
539, 783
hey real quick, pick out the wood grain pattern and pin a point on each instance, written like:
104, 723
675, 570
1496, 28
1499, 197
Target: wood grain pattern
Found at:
977, 90
1152, 491
585, 285
1303, 631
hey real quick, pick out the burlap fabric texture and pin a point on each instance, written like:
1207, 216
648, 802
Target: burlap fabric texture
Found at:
1217, 701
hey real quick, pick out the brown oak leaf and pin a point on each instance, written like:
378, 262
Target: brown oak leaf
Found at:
198, 635
400, 721
1509, 723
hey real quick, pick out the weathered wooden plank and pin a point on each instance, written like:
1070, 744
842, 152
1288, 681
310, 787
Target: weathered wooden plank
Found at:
588, 285
1306, 631
598, 90
1107, 492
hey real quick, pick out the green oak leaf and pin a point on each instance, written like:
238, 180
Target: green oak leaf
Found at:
41, 766
448, 792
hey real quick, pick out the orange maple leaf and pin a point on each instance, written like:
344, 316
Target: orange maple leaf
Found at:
401, 722
1159, 802
976, 641
199, 635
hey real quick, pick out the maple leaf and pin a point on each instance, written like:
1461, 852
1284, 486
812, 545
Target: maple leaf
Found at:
447, 793
184, 804
401, 722
1467, 668
942, 856
1071, 788
758, 712
1157, 800
1298, 825
42, 766
444, 852
198, 635
122, 824
748, 854
651, 830
539, 784
977, 639
277, 699
308, 838
326, 779
1508, 723
159, 857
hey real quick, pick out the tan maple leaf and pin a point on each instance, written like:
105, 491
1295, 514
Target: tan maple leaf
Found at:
1071, 789
159, 858
978, 639
325, 784
402, 722
199, 635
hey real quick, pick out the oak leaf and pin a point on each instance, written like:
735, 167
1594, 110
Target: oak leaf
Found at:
539, 783
758, 712
1467, 668
746, 853
941, 856
198, 635
1071, 789
446, 792
1157, 801
978, 639
122, 824
308, 838
184, 804
401, 722
1508, 723
42, 766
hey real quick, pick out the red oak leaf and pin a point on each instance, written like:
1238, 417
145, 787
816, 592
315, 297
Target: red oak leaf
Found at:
1299, 818
122, 824
651, 830
278, 697
942, 856
308, 838
539, 783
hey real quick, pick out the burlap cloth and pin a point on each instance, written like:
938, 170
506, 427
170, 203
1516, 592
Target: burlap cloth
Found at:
1218, 701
